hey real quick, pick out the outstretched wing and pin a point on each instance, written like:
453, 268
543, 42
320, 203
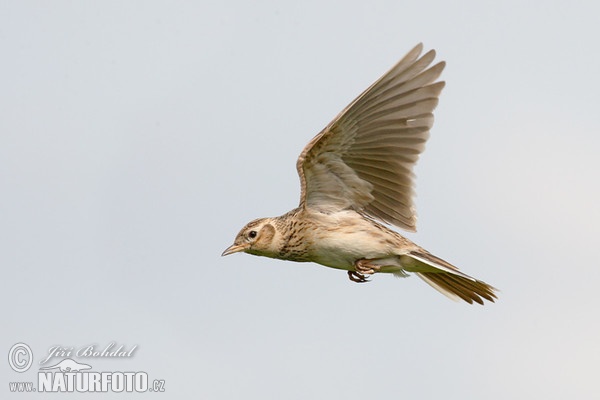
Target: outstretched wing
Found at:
364, 158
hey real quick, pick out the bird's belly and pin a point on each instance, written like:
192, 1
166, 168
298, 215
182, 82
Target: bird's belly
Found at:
342, 250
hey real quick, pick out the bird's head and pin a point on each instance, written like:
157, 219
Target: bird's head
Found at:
257, 238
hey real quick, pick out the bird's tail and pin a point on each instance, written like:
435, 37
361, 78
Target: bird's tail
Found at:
448, 279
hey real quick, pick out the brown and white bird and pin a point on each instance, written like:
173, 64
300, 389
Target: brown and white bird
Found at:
359, 170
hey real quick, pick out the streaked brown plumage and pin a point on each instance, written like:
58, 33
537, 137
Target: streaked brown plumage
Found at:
359, 170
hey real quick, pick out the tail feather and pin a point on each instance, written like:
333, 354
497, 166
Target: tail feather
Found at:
447, 279
457, 287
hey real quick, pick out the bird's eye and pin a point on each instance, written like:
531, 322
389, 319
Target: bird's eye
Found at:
252, 234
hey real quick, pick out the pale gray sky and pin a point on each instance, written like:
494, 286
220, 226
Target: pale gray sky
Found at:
137, 138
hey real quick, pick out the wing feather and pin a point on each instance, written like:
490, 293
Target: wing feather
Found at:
364, 158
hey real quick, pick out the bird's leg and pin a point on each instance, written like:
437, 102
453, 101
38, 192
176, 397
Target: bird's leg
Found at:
363, 267
356, 277
366, 267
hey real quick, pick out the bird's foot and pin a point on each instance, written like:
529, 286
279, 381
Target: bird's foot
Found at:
366, 267
356, 277
363, 267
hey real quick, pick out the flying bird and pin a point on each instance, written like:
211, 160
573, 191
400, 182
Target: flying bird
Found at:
356, 177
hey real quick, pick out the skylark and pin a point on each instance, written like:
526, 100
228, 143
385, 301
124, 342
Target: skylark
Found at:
358, 171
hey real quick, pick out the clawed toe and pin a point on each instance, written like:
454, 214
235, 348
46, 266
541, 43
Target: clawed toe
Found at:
357, 277
364, 266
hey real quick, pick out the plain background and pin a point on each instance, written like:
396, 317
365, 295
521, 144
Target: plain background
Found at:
137, 138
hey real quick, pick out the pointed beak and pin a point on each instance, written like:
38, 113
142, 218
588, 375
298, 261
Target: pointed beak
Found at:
234, 248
